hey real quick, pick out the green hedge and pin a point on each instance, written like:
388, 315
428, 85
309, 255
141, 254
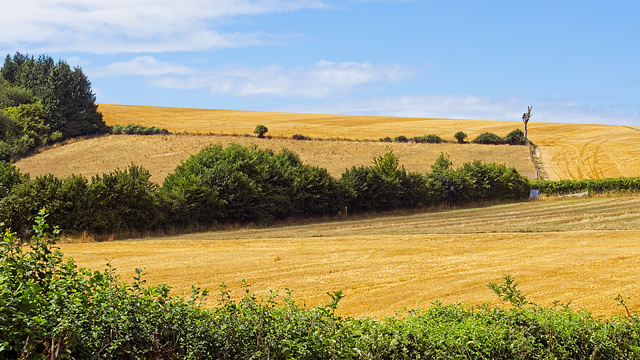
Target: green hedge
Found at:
239, 185
50, 308
594, 186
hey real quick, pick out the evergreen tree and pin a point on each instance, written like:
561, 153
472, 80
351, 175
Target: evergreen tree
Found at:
65, 93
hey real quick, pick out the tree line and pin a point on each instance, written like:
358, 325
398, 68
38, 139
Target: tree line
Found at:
41, 102
240, 184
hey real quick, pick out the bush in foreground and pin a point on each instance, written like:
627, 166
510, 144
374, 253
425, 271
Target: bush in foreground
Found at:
50, 308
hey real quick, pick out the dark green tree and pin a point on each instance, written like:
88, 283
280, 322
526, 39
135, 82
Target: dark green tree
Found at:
65, 93
460, 136
260, 130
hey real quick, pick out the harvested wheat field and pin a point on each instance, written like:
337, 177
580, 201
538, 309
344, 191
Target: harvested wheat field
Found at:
160, 154
583, 251
568, 151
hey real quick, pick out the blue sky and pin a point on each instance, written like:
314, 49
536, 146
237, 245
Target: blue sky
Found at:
573, 61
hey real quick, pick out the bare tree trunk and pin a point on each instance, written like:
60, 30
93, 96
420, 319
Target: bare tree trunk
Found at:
525, 119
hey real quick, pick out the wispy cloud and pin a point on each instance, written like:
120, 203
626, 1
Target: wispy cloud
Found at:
101, 27
463, 106
323, 79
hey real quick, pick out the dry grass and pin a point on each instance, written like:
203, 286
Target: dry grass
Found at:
580, 250
569, 151
160, 154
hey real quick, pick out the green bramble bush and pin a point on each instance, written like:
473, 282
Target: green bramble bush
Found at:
51, 309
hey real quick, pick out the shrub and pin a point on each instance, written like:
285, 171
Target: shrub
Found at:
260, 130
460, 136
401, 139
10, 176
516, 137
136, 130
123, 200
488, 138
300, 137
432, 139
386, 139
238, 184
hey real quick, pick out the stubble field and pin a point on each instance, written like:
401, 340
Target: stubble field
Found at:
568, 151
581, 250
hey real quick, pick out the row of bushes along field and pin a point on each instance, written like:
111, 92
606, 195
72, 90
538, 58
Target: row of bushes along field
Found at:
240, 185
49, 308
594, 186
243, 185
516, 137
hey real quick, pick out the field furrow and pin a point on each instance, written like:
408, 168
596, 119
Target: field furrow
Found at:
581, 250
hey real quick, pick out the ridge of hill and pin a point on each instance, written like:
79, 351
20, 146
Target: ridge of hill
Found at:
567, 151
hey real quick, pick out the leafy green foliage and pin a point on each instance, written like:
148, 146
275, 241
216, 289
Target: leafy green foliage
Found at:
260, 130
118, 201
41, 102
431, 139
594, 186
300, 137
10, 176
239, 184
135, 130
460, 136
488, 138
516, 137
401, 139
50, 308
507, 291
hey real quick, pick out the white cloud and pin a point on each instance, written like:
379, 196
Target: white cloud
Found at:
463, 106
142, 66
323, 79
134, 26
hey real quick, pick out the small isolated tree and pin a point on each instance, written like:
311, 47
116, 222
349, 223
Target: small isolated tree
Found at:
260, 130
460, 136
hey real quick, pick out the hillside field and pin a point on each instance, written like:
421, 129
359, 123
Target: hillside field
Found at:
583, 251
568, 151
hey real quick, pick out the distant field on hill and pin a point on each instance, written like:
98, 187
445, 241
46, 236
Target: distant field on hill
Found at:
569, 151
160, 154
584, 251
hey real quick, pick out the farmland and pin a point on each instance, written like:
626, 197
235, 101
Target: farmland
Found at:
579, 250
568, 151
583, 251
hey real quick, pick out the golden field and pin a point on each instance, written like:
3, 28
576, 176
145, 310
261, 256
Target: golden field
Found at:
160, 154
581, 250
568, 151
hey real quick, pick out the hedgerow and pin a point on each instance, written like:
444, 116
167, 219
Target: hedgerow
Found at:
239, 185
50, 308
132, 129
595, 186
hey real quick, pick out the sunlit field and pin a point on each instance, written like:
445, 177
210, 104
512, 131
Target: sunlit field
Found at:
583, 251
569, 151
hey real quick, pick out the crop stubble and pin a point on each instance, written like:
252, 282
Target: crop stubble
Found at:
569, 151
409, 260
583, 250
